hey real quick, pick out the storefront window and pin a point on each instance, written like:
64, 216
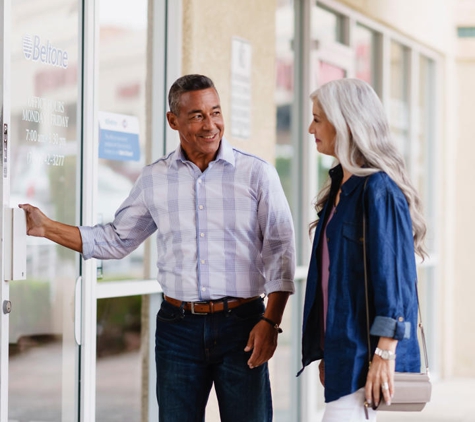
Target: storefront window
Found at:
280, 365
327, 26
365, 40
122, 155
425, 151
122, 72
284, 92
399, 98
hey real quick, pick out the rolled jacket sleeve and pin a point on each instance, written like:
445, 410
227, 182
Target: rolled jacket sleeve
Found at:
391, 262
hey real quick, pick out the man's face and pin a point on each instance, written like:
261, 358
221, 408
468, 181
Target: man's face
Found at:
200, 125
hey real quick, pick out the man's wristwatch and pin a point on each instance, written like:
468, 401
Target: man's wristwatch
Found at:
385, 354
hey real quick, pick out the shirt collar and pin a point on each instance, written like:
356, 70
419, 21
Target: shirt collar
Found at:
225, 153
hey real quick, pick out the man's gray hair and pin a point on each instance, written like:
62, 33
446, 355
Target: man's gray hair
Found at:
184, 84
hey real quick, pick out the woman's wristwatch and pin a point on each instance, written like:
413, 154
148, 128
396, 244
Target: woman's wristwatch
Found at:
385, 354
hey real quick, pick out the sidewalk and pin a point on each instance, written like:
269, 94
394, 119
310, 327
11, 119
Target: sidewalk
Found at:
35, 392
452, 400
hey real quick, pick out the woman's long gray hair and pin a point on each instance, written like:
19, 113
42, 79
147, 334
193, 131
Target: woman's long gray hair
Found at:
363, 138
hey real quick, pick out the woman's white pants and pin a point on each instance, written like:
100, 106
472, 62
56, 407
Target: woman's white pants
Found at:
348, 409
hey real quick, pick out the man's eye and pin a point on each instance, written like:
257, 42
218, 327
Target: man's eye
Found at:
196, 117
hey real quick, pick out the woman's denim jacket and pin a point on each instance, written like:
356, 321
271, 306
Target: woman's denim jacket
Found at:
391, 276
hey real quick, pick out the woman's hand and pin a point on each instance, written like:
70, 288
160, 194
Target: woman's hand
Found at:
321, 369
380, 380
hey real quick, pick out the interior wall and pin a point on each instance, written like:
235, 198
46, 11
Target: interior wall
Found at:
208, 29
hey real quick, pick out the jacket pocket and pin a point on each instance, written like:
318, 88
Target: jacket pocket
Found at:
353, 232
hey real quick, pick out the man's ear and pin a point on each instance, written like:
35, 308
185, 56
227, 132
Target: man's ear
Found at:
172, 120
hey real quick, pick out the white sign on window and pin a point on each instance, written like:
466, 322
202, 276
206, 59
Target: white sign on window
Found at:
241, 67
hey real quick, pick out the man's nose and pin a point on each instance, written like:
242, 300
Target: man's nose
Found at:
208, 123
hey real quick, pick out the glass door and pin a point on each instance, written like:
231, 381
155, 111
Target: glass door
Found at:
43, 166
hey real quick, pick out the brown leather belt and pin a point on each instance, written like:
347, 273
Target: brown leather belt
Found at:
210, 307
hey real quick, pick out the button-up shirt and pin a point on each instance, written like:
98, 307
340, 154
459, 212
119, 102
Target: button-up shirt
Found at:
391, 277
226, 231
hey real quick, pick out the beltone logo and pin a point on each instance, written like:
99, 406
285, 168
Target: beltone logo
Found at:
35, 50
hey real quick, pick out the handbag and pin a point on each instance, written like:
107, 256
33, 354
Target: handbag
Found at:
412, 390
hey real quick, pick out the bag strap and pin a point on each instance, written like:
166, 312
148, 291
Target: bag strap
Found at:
421, 327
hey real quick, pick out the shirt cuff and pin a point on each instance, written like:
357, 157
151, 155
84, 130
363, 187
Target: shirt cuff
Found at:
280, 286
87, 241
392, 328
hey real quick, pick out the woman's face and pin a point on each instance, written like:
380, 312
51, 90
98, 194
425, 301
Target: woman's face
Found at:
323, 131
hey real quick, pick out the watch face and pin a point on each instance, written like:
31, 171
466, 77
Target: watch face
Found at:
385, 354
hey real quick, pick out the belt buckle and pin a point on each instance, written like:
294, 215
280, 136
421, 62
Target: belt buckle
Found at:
193, 309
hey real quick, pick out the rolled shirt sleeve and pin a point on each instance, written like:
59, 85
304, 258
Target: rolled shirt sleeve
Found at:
275, 221
131, 226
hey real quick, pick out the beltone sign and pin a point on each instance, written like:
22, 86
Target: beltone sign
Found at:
36, 50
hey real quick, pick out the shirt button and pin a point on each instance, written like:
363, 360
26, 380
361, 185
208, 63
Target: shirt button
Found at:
203, 289
202, 234
201, 207
203, 261
199, 182
400, 319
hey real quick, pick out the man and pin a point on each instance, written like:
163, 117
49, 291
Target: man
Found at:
224, 238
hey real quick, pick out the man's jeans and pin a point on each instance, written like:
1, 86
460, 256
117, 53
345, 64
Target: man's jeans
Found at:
194, 351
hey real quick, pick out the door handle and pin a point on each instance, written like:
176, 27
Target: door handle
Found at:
15, 244
77, 311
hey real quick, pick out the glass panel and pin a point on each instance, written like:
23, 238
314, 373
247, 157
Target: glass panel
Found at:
122, 71
399, 98
281, 370
425, 158
326, 25
119, 359
284, 94
327, 72
280, 365
365, 54
44, 157
427, 288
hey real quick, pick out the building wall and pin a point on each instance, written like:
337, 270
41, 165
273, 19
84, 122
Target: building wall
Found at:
208, 29
426, 21
464, 245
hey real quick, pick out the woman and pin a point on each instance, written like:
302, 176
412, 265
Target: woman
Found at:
369, 181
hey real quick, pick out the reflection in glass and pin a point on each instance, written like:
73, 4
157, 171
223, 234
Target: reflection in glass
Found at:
399, 98
327, 72
43, 171
425, 140
119, 359
280, 365
326, 25
365, 54
284, 93
122, 72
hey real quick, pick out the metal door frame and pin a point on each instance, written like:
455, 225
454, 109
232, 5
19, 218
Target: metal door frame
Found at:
5, 21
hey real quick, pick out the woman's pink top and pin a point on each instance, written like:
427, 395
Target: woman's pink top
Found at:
325, 274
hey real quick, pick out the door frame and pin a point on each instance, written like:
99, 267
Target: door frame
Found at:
5, 7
